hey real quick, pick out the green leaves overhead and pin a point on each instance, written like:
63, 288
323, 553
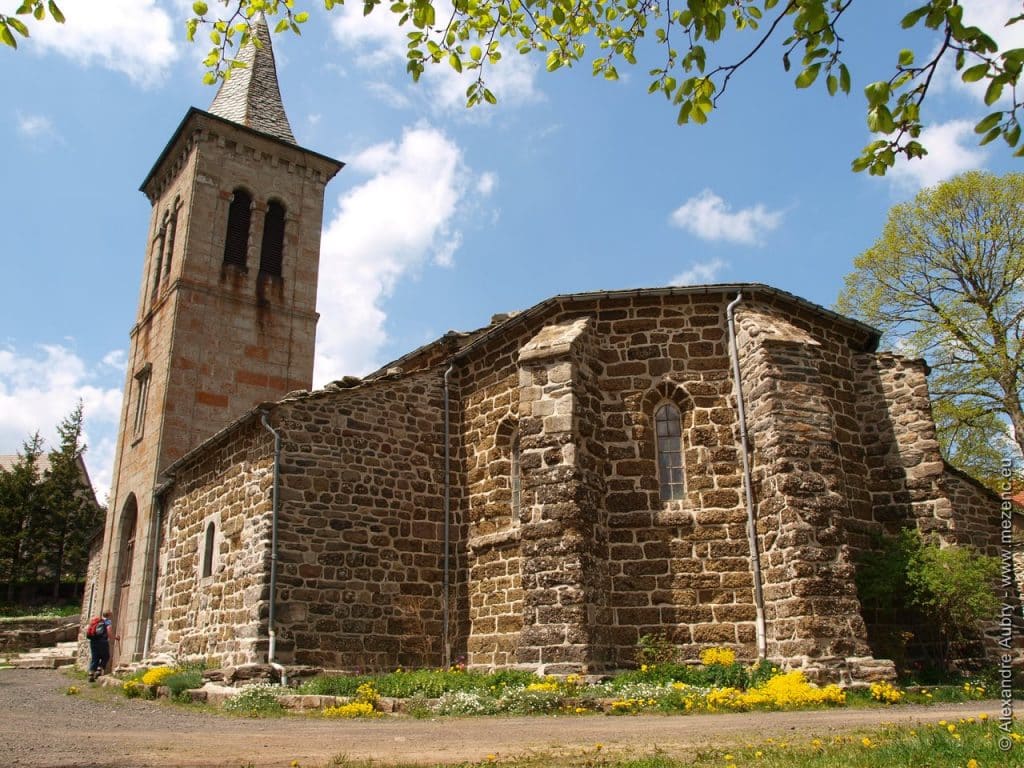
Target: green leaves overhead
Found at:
11, 25
698, 47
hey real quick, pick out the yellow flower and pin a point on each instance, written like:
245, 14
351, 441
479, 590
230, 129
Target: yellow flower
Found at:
951, 728
759, 754
294, 764
983, 717
866, 741
729, 758
972, 763
942, 722
491, 758
723, 656
816, 743
599, 747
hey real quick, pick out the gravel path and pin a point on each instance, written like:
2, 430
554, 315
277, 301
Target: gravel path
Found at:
41, 726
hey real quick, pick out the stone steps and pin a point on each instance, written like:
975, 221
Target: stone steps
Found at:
55, 656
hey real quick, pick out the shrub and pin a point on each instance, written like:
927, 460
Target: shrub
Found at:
522, 701
655, 649
722, 656
184, 679
259, 700
134, 689
466, 703
352, 710
886, 693
952, 586
157, 675
333, 685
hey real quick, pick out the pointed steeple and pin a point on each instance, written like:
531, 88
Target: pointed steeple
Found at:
251, 96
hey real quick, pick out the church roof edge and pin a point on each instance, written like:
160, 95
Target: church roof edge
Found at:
478, 338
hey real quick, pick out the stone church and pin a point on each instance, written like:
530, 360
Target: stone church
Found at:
705, 462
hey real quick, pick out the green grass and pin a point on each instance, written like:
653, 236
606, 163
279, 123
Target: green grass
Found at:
18, 612
428, 683
933, 745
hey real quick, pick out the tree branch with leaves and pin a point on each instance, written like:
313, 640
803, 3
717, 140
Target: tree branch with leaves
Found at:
468, 35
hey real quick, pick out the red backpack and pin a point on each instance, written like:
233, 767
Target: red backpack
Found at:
97, 627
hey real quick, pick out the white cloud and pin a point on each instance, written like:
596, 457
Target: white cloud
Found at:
952, 149
709, 217
699, 272
400, 219
38, 129
388, 94
379, 42
486, 183
39, 389
135, 37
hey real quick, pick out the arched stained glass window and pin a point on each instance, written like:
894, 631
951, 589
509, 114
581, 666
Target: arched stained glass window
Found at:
668, 428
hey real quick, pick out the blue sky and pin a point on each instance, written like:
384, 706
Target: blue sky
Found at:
442, 217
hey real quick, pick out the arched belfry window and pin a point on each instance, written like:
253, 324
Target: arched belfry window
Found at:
272, 248
236, 242
516, 480
668, 428
211, 530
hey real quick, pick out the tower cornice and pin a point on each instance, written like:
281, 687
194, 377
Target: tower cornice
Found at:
194, 122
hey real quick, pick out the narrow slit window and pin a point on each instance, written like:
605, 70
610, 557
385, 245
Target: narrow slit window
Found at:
141, 396
172, 231
158, 255
236, 243
272, 248
516, 480
668, 427
211, 531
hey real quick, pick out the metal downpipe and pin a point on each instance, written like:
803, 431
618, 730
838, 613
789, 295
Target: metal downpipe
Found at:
158, 503
271, 618
748, 490
446, 651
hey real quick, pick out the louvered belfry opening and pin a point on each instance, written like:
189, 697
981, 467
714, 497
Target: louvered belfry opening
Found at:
272, 249
239, 215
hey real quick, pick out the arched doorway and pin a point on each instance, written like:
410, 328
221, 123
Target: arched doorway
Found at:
126, 555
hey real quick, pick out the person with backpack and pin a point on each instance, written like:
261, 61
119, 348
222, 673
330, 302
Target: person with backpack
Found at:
99, 634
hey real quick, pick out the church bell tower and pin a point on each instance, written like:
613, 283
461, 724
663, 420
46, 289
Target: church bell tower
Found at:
227, 308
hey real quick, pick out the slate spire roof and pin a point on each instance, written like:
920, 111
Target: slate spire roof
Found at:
251, 96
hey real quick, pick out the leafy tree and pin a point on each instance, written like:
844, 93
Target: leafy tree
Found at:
698, 47
71, 512
47, 512
946, 281
19, 512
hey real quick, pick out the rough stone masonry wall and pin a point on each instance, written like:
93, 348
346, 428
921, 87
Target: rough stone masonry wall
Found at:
361, 525
680, 568
676, 568
811, 606
911, 486
221, 618
564, 559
